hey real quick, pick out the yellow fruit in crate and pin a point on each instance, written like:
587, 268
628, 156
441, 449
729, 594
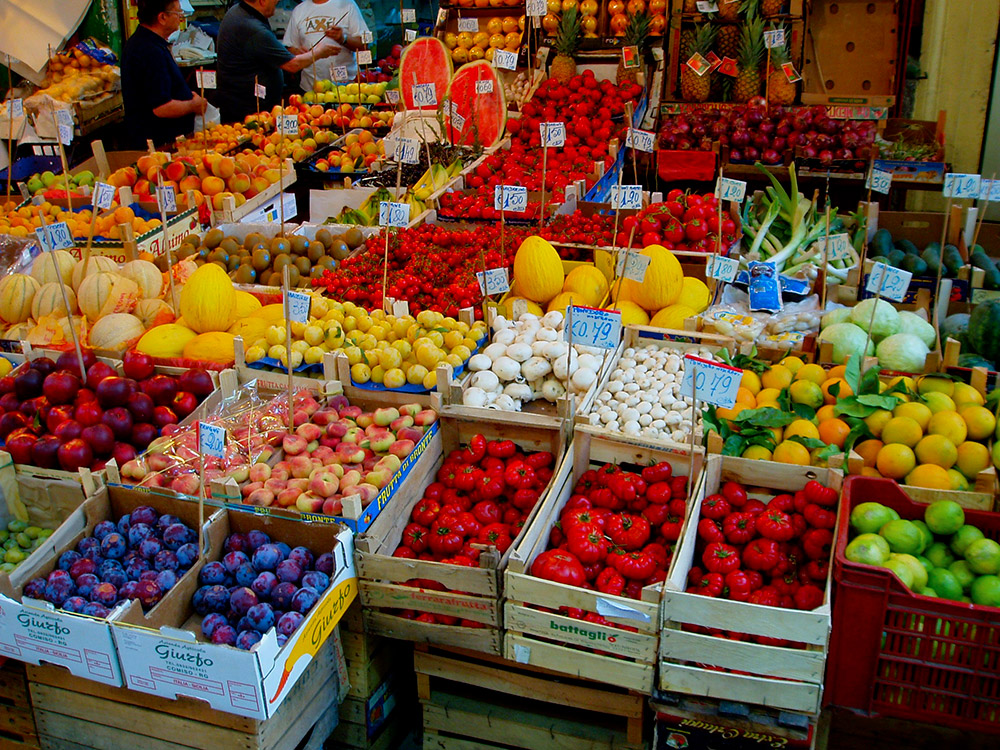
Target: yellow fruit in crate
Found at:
979, 420
939, 402
250, 329
507, 307
966, 394
904, 430
936, 449
932, 384
566, 299
271, 313
778, 377
663, 281
791, 452
246, 305
876, 422
930, 476
481, 39
165, 341
5, 367
673, 316
806, 392
895, 461
958, 482
802, 428
757, 453
751, 381
792, 363
494, 25
950, 424
694, 294
450, 40
208, 300
115, 332
212, 346
538, 270
465, 40
589, 282
972, 458
632, 314
916, 411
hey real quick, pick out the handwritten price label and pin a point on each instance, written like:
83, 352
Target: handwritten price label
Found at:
392, 96
632, 266
365, 57
367, 37
705, 6
879, 181
468, 24
211, 440
962, 185
535, 7
893, 282
839, 247
711, 382
496, 281
288, 125
205, 79
259, 91
774, 38
553, 134
64, 117
55, 236
484, 87
410, 34
425, 95
504, 60
409, 15
104, 194
640, 140
722, 268
16, 108
990, 191
594, 327
513, 198
340, 74
166, 198
297, 307
731, 190
393, 214
626, 197
407, 150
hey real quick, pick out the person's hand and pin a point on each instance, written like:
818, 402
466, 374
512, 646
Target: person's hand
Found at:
297, 50
198, 104
329, 50
336, 33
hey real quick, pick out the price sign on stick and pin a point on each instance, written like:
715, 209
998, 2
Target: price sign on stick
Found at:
407, 150
553, 134
594, 327
711, 382
839, 247
409, 15
990, 191
16, 108
513, 198
393, 214
775, 38
626, 197
367, 37
722, 268
365, 57
104, 195
410, 34
211, 440
298, 307
59, 235
484, 87
259, 91
888, 282
495, 282
468, 24
65, 134
340, 74
205, 78
166, 198
731, 190
425, 95
879, 181
504, 59
392, 96
962, 185
632, 266
288, 125
640, 140
535, 8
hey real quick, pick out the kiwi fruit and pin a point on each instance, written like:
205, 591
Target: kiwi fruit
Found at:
213, 238
253, 239
281, 261
315, 251
353, 238
293, 275
339, 249
186, 250
218, 256
230, 245
245, 275
302, 263
203, 254
261, 259
299, 244
265, 277
233, 262
280, 245
327, 263
161, 262
192, 239
316, 272
324, 236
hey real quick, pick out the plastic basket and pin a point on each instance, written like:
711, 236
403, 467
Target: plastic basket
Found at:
27, 166
895, 653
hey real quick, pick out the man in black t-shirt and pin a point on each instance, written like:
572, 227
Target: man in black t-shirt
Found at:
158, 103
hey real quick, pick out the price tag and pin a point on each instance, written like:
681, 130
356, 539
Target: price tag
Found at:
407, 150
16, 108
288, 125
442, 16
594, 327
879, 181
410, 34
698, 64
468, 24
722, 268
632, 265
790, 73
65, 134
55, 236
894, 282
496, 282
259, 91
962, 185
553, 134
704, 6
104, 194
504, 59
484, 87
365, 57
409, 15
211, 440
640, 140
535, 7
839, 249
513, 198
393, 214
990, 191
457, 121
731, 190
775, 38
367, 37
64, 117
392, 96
711, 382
340, 74
626, 197
205, 78
166, 198
297, 307
425, 95
630, 57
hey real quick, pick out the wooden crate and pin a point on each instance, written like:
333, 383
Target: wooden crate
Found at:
71, 717
697, 664
531, 612
17, 723
377, 720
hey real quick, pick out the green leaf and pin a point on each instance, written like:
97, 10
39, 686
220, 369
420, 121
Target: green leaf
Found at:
879, 401
804, 412
852, 372
785, 400
828, 452
851, 408
766, 416
711, 421
869, 382
733, 446
810, 443
834, 389
764, 442
858, 432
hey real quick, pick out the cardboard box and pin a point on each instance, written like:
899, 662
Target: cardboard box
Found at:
163, 656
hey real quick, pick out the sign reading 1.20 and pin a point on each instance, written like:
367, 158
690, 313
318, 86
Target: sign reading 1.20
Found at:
393, 214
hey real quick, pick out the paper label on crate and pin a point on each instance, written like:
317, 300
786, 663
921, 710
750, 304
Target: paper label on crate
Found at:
393, 214
409, 15
504, 60
288, 125
553, 134
484, 87
640, 140
425, 95
457, 121
707, 6
893, 282
698, 64
166, 199
16, 108
211, 440
722, 268
535, 7
272, 211
407, 150
774, 38
879, 181
297, 307
65, 134
64, 117
410, 34
594, 327
839, 247
962, 185
367, 37
104, 195
731, 190
496, 282
55, 236
364, 57
205, 78
340, 74
712, 382
513, 198
259, 91
990, 191
632, 266
729, 67
522, 653
468, 24
626, 197
608, 608
392, 96
790, 72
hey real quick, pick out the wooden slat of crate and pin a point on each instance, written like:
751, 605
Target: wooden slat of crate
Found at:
17, 723
486, 640
366, 677
349, 734
792, 696
361, 647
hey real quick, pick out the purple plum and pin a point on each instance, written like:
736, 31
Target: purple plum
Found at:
148, 575
95, 609
257, 539
186, 555
241, 600
233, 560
177, 535
81, 566
211, 622
289, 623
137, 532
85, 584
261, 617
166, 580
166, 520
67, 558
247, 639
74, 604
304, 600
212, 574
148, 593
267, 557
144, 514
136, 568
210, 599
245, 574
123, 524
281, 595
318, 582
88, 543
284, 549
104, 528
166, 560
117, 578
263, 584
113, 546
324, 563
128, 590
236, 543
104, 593
35, 588
224, 635
303, 557
288, 571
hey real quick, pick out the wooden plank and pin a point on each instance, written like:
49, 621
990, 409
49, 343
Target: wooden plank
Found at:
579, 633
789, 663
16, 721
486, 640
791, 696
99, 736
606, 669
354, 735
380, 567
387, 737
476, 608
353, 710
528, 589
13, 685
367, 677
361, 647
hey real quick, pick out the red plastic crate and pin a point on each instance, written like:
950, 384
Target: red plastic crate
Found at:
895, 653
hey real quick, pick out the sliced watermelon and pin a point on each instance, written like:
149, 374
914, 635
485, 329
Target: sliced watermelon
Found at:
429, 60
483, 113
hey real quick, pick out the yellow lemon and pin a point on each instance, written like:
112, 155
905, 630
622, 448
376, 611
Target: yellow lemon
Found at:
904, 430
750, 381
905, 380
868, 450
806, 392
966, 394
930, 476
895, 461
919, 413
768, 395
840, 386
743, 396
972, 458
825, 413
814, 373
979, 420
950, 424
932, 384
778, 377
876, 422
757, 453
936, 449
802, 428
730, 414
792, 363
694, 294
791, 452
958, 482
938, 402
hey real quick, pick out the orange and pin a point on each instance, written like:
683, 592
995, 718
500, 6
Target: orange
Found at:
868, 471
744, 396
777, 377
834, 432
950, 424
730, 414
791, 452
813, 373
802, 428
837, 372
979, 420
868, 450
895, 461
844, 391
930, 476
918, 412
904, 430
825, 413
937, 450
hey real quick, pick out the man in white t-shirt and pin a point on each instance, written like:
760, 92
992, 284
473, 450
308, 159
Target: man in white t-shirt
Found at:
340, 22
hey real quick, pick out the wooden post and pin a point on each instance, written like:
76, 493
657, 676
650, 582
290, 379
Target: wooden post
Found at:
65, 296
286, 282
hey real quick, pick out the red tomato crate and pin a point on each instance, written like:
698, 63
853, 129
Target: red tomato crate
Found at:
895, 653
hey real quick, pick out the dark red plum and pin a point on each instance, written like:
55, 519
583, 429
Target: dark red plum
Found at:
196, 381
138, 365
144, 514
28, 384
289, 623
267, 557
60, 387
315, 580
281, 595
45, 452
212, 621
143, 433
304, 600
104, 593
165, 560
149, 547
100, 438
112, 392
88, 413
68, 430
122, 453
248, 639
137, 532
148, 593
264, 584
224, 635
140, 406
20, 446
95, 609
81, 566
85, 584
233, 560
303, 557
164, 415
114, 546
241, 600
288, 571
161, 388
75, 454
97, 373
119, 420
257, 539
12, 420
67, 558
212, 574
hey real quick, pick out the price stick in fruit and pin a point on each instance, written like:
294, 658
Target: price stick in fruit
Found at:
201, 86
65, 164
937, 286
826, 257
10, 122
286, 283
62, 288
423, 129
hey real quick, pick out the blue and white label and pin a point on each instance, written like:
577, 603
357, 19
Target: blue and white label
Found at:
55, 236
626, 197
410, 35
504, 60
879, 181
64, 117
640, 140
457, 120
711, 382
775, 38
259, 91
211, 440
888, 282
409, 15
731, 190
392, 96
468, 24
205, 78
16, 108
496, 281
104, 195
166, 199
425, 95
513, 198
367, 37
962, 185
990, 191
297, 306
707, 6
364, 57
407, 150
288, 125
340, 74
553, 134
722, 268
393, 214
632, 265
484, 87
839, 247
535, 8
594, 327
65, 134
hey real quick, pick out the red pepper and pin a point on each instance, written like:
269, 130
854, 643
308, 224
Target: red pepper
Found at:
579, 517
602, 497
586, 482
715, 507
671, 529
800, 501
511, 516
405, 553
636, 566
755, 578
739, 585
678, 506
556, 536
753, 505
415, 537
490, 487
711, 584
425, 512
426, 617
633, 589
656, 513
576, 501
627, 531
659, 472
487, 512
819, 494
784, 503
761, 554
496, 534
558, 566
606, 472
799, 524
501, 448
462, 560
443, 539
695, 574
720, 558
659, 553
787, 585
658, 492
819, 517
808, 597
773, 524
539, 460
610, 581
525, 499
434, 491
678, 487
710, 530
519, 475
816, 544
781, 567
543, 475
469, 551
493, 466
766, 596
447, 475
476, 450
739, 528
468, 478
466, 524
587, 543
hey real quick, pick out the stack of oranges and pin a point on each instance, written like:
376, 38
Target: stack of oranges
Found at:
619, 12
22, 222
498, 33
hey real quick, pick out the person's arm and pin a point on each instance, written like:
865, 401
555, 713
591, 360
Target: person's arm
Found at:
177, 108
300, 62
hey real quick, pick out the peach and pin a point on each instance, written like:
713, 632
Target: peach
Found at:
293, 445
410, 410
397, 424
302, 467
299, 483
353, 436
425, 417
238, 183
351, 412
365, 418
134, 469
339, 428
333, 507
380, 443
367, 491
261, 498
281, 472
212, 187
324, 485
153, 480
322, 453
309, 432
410, 433
260, 473
248, 488
287, 497
402, 448
389, 462
309, 503
333, 463
325, 416
159, 462
275, 485
239, 473
186, 484
224, 168
385, 416
350, 479
378, 478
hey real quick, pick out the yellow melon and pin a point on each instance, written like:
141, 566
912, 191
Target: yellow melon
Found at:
208, 301
250, 329
146, 276
18, 331
694, 294
538, 270
115, 332
213, 346
45, 272
588, 281
105, 293
507, 308
153, 312
663, 281
672, 316
48, 300
271, 313
165, 341
96, 264
247, 304
632, 314
566, 299
17, 292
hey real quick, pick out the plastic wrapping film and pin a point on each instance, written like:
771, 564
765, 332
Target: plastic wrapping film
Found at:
17, 254
784, 330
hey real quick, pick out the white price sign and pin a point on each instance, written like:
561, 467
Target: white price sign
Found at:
504, 59
409, 15
484, 87
367, 37
205, 79
468, 24
104, 194
879, 181
425, 95
632, 265
711, 382
166, 198
393, 214
365, 57
722, 268
211, 440
893, 282
962, 185
288, 125
775, 38
407, 150
259, 91
457, 121
594, 327
340, 74
705, 6
640, 140
496, 282
512, 198
535, 8
65, 134
392, 96
16, 108
553, 134
410, 34
626, 197
64, 117
990, 191
55, 236
297, 307
839, 248
731, 190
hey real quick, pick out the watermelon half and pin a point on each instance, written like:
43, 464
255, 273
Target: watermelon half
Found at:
485, 113
429, 60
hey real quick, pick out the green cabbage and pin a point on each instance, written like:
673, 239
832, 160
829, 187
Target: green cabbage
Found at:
913, 323
837, 315
902, 352
847, 340
885, 323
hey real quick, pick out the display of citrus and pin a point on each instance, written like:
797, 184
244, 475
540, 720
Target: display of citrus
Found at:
876, 422
802, 428
979, 421
936, 449
950, 424
945, 583
903, 430
895, 461
792, 363
791, 452
806, 392
903, 536
934, 384
958, 481
972, 458
868, 450
938, 402
777, 377
834, 431
930, 476
918, 412
813, 373
751, 381
757, 453
840, 389
868, 518
966, 394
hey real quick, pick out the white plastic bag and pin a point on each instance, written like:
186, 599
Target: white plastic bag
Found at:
211, 117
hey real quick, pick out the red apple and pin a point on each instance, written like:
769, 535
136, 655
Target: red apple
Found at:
196, 381
60, 387
75, 454
68, 430
45, 452
122, 453
137, 365
19, 445
84, 395
161, 388
9, 402
112, 391
164, 415
12, 420
143, 434
6, 384
29, 384
98, 372
88, 413
184, 403
43, 365
100, 438
141, 407
119, 420
57, 415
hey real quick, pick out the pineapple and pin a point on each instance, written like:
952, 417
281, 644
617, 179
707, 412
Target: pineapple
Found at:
727, 41
779, 89
751, 55
695, 88
729, 10
635, 36
771, 8
563, 67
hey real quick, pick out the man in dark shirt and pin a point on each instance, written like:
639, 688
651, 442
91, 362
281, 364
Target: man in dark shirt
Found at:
158, 103
249, 51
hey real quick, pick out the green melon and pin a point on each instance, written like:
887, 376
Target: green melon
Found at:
484, 114
425, 60
984, 329
956, 327
974, 360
